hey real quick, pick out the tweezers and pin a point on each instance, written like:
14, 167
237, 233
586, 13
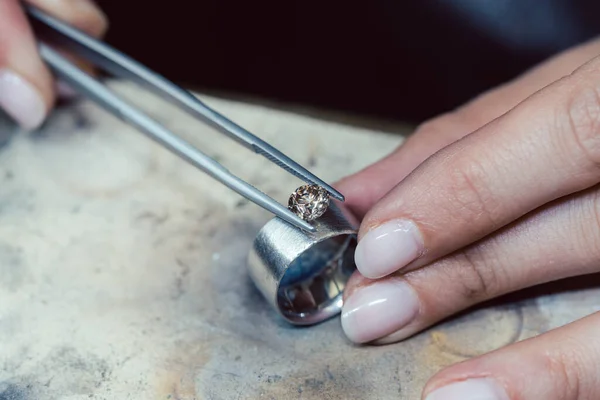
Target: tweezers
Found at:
111, 60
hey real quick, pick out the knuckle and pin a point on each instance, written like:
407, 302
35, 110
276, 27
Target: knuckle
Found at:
473, 199
582, 113
561, 376
572, 368
481, 275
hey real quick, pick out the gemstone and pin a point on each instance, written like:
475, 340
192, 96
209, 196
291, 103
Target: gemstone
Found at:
309, 202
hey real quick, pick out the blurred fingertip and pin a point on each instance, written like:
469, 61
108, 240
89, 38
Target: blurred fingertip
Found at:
21, 100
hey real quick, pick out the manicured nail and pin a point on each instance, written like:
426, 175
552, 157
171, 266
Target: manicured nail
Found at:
376, 310
21, 100
388, 248
472, 389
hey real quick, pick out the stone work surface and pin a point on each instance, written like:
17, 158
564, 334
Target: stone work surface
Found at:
122, 270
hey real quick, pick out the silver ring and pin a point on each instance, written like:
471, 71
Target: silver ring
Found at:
301, 274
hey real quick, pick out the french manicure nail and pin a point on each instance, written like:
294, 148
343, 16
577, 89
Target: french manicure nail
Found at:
376, 310
388, 248
21, 100
471, 389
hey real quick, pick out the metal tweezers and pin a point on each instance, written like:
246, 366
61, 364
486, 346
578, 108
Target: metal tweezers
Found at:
115, 62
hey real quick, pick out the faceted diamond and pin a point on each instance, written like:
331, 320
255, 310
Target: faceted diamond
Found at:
309, 202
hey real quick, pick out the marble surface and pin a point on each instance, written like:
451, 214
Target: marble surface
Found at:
122, 269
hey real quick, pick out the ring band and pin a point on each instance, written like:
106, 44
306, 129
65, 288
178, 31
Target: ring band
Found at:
301, 274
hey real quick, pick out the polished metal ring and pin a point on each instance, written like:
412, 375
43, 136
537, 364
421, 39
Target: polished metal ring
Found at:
302, 274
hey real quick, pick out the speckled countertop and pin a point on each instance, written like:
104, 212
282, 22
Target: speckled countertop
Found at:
122, 270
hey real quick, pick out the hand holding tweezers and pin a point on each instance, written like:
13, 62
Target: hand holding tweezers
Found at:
115, 62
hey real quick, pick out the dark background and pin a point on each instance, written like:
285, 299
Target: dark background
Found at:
400, 60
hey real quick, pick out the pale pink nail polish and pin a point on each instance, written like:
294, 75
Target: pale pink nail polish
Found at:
379, 309
387, 248
21, 100
471, 389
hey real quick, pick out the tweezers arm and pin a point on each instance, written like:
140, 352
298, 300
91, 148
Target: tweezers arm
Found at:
118, 64
123, 66
117, 106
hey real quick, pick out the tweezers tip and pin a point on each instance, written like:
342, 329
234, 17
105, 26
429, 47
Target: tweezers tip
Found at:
299, 223
335, 194
306, 227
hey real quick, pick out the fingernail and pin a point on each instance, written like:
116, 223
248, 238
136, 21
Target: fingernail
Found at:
21, 100
376, 310
388, 248
472, 389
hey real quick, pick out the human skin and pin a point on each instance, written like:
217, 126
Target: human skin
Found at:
493, 197
27, 88
501, 194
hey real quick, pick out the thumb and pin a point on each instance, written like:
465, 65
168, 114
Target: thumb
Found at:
26, 92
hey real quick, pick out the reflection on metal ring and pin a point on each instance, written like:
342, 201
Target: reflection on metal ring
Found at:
301, 274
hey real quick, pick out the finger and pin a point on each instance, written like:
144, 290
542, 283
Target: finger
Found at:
84, 15
369, 185
559, 365
558, 241
26, 85
546, 148
366, 187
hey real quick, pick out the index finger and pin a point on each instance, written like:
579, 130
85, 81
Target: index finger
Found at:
545, 148
366, 187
